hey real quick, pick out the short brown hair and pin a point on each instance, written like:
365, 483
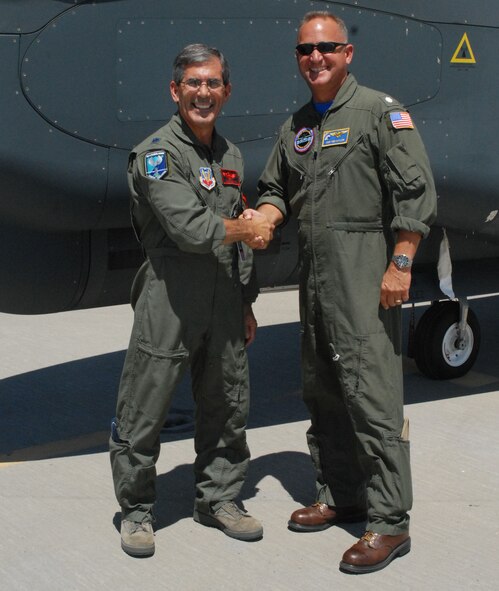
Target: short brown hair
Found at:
324, 14
198, 53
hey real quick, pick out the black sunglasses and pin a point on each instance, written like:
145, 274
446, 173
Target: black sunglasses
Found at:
322, 47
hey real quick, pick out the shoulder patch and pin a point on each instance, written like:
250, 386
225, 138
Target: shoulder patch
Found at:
156, 164
401, 120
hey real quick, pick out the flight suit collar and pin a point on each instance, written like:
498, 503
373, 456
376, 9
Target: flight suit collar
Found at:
185, 133
345, 93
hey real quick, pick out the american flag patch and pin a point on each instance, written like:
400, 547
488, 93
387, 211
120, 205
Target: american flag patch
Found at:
401, 120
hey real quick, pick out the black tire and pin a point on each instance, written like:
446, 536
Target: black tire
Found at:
435, 350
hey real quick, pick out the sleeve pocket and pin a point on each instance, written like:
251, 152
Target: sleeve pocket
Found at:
400, 169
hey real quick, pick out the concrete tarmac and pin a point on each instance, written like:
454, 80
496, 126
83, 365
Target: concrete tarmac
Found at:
59, 519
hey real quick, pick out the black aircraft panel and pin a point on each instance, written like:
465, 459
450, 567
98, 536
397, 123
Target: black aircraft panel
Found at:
81, 82
471, 12
20, 17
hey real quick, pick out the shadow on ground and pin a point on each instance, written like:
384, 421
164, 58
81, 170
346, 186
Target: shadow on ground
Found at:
76, 399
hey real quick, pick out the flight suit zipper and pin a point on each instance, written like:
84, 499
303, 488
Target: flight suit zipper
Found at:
314, 184
349, 151
334, 355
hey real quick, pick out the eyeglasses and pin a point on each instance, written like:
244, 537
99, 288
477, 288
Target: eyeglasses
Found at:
196, 83
322, 47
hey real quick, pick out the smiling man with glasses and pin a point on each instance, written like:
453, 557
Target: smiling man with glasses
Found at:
351, 167
192, 300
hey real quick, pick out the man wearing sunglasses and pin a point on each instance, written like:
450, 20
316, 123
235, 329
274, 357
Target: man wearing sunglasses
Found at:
351, 167
192, 300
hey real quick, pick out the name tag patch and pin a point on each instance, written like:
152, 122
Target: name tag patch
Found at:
206, 178
230, 177
155, 164
335, 137
304, 140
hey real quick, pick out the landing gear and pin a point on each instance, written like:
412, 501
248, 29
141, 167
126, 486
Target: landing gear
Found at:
446, 340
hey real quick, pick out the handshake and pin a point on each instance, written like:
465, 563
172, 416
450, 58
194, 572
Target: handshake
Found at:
258, 227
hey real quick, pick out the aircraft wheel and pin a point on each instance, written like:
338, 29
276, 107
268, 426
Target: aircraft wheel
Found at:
438, 352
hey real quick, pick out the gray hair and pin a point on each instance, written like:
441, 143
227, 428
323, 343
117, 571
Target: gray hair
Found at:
198, 53
324, 14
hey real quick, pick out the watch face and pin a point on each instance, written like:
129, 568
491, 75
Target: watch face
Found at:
402, 261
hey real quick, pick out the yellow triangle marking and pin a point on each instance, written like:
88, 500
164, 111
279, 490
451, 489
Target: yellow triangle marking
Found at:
464, 53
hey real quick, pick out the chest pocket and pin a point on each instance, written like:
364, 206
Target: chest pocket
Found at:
229, 191
338, 157
354, 196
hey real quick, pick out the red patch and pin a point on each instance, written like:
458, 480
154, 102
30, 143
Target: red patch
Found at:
230, 177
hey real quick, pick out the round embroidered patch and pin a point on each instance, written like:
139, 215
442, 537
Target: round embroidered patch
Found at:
304, 139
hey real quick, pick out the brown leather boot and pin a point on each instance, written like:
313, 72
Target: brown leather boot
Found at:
373, 552
320, 516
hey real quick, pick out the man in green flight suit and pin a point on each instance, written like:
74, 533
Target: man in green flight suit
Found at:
192, 301
352, 168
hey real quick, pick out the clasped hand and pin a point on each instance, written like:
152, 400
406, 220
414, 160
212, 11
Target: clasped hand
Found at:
262, 229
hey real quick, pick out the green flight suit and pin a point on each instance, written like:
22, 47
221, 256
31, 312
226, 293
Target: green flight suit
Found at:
352, 179
188, 301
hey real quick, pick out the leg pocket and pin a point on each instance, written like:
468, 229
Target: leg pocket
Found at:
155, 376
371, 372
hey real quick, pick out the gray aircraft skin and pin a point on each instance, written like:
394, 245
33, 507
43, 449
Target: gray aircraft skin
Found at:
82, 82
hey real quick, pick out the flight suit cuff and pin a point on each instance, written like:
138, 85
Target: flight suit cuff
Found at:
411, 225
276, 202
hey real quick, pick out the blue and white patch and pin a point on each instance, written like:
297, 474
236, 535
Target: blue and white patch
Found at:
335, 137
304, 140
206, 178
155, 164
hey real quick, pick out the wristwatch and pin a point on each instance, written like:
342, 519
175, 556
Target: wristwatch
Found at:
402, 261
